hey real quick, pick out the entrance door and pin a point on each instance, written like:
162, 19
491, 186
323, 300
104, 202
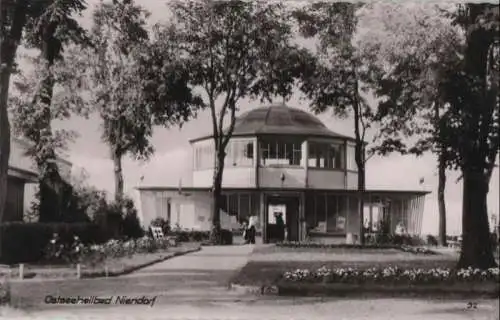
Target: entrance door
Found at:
288, 207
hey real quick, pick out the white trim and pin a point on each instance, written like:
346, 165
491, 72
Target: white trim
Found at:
28, 176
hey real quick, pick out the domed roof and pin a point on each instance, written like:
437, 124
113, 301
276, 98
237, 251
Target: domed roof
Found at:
280, 120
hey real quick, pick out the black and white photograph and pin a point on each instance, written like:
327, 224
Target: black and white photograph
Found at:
249, 159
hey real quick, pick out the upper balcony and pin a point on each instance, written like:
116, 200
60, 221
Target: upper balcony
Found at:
279, 147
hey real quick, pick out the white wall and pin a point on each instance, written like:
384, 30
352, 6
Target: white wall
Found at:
271, 177
325, 179
18, 157
352, 181
243, 177
189, 210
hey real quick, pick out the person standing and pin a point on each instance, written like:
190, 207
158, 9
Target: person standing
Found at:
251, 230
244, 226
280, 225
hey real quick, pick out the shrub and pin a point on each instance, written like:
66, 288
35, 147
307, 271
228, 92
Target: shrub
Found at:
119, 219
431, 240
26, 242
131, 226
226, 237
191, 236
58, 251
407, 240
5, 295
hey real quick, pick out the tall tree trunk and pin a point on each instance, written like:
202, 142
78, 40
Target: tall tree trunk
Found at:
215, 234
359, 157
4, 142
118, 171
50, 181
4, 138
9, 43
476, 250
441, 199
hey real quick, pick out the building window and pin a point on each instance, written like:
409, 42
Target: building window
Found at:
240, 205
327, 213
351, 160
326, 155
233, 205
280, 153
239, 153
204, 157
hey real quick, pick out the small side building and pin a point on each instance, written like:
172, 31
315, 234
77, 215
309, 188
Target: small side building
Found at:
23, 179
283, 160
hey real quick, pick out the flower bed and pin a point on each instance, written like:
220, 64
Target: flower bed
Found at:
77, 252
190, 235
393, 275
4, 292
314, 245
417, 250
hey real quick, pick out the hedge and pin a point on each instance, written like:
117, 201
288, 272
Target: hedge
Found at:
201, 236
25, 242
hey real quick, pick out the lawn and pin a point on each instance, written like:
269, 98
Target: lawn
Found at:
267, 264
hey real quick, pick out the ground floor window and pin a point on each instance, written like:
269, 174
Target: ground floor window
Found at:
241, 205
377, 214
328, 212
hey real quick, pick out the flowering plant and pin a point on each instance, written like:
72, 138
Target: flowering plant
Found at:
391, 275
70, 252
77, 252
146, 244
315, 245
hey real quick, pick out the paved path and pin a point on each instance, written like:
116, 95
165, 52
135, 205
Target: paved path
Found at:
212, 258
199, 276
281, 309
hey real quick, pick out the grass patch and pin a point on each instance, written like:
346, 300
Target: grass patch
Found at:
267, 264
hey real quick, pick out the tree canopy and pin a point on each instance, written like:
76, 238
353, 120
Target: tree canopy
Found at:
230, 51
435, 59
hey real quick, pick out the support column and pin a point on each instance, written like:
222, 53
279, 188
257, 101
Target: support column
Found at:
305, 157
302, 217
412, 213
421, 214
256, 165
344, 159
370, 218
263, 217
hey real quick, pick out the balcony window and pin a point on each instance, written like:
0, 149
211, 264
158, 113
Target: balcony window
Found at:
204, 157
351, 160
239, 153
326, 155
280, 153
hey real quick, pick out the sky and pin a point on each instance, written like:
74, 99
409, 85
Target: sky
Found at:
172, 157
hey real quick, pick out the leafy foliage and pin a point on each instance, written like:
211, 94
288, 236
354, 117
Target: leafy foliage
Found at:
49, 27
26, 115
230, 50
410, 47
434, 68
46, 25
334, 81
122, 84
